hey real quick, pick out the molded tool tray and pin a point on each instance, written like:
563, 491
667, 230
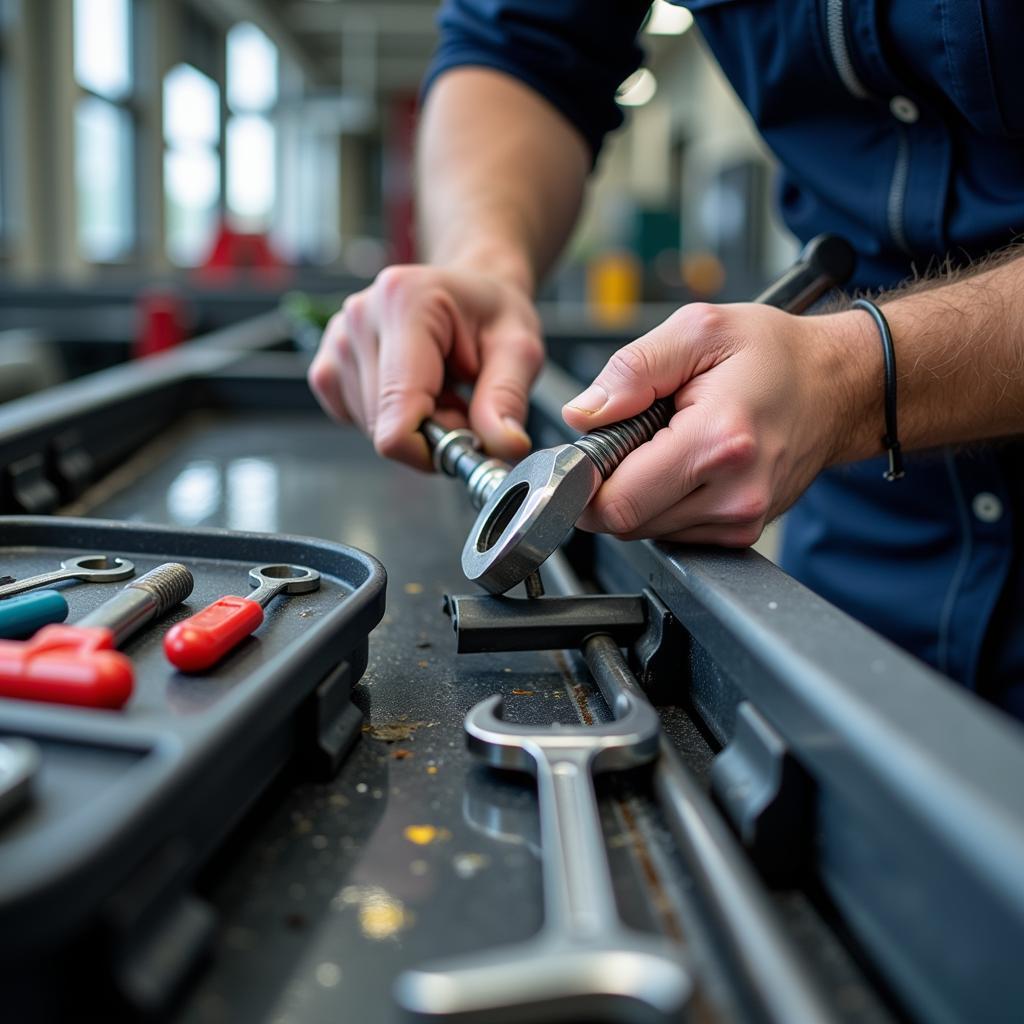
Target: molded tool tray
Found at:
162, 781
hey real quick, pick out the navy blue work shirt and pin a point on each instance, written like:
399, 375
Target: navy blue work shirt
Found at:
901, 127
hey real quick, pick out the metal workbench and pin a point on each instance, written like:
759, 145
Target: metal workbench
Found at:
904, 816
412, 852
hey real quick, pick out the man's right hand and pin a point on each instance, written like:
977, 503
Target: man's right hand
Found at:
387, 360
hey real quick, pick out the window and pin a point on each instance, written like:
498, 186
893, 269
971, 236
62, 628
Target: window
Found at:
252, 76
191, 163
252, 69
103, 180
102, 48
104, 129
251, 178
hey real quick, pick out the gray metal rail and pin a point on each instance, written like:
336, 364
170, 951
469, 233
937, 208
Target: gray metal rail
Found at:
768, 967
43, 465
904, 791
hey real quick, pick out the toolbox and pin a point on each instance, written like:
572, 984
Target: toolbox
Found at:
96, 866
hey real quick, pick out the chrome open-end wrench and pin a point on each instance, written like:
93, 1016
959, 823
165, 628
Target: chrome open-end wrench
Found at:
200, 641
584, 964
90, 568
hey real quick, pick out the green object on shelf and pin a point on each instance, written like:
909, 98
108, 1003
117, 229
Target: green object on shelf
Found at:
309, 315
315, 310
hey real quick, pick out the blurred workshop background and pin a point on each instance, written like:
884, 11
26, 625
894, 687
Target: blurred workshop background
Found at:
171, 166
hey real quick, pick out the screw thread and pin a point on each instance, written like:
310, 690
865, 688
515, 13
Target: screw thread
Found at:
485, 479
169, 584
448, 449
459, 454
608, 446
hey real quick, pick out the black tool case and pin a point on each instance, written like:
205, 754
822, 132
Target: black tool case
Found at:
96, 870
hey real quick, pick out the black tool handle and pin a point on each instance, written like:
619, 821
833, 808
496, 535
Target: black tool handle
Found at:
825, 262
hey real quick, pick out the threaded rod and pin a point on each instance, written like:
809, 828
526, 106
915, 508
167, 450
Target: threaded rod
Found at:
142, 600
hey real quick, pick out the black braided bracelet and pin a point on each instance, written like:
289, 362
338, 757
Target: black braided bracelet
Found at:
890, 439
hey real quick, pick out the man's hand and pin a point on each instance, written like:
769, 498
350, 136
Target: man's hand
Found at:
388, 358
762, 399
498, 196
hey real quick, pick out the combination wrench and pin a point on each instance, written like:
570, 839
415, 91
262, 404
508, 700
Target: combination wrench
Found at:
90, 568
584, 964
200, 641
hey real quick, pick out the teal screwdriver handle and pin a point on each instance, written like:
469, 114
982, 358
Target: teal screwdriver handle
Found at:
20, 617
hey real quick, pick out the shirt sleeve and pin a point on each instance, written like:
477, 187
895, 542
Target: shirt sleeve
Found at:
575, 53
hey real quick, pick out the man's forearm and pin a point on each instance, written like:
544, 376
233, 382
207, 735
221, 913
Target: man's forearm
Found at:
500, 176
960, 362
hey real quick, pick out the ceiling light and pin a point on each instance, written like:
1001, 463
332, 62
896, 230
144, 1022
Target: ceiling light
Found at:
636, 90
668, 20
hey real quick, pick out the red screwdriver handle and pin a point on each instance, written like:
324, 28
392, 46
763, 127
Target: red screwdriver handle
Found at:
67, 665
201, 640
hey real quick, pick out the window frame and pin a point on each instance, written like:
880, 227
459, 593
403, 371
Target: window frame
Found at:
202, 45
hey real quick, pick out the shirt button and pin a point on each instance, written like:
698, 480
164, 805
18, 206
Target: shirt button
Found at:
904, 109
987, 507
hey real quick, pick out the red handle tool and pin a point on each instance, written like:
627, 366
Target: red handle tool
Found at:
78, 664
66, 665
201, 640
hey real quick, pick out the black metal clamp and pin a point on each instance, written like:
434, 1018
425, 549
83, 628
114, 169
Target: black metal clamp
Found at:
640, 623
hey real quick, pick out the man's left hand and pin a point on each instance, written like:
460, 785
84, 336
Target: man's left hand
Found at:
764, 401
